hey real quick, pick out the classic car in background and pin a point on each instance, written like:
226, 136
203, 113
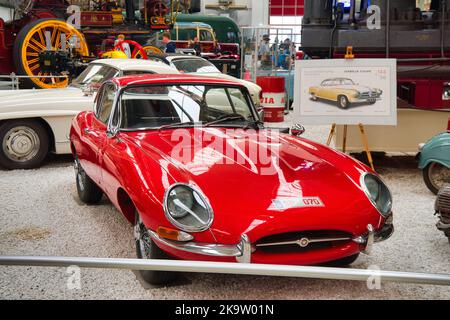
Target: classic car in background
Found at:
190, 64
443, 210
344, 92
137, 147
434, 161
34, 122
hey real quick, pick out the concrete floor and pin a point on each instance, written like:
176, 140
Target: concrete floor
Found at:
40, 214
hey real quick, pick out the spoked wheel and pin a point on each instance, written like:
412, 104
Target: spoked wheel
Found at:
24, 144
150, 50
138, 50
33, 40
436, 176
88, 191
147, 249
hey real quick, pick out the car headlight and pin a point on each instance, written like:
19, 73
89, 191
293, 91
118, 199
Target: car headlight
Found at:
377, 192
187, 208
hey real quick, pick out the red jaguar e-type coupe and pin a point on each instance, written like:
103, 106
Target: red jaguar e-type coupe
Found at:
186, 159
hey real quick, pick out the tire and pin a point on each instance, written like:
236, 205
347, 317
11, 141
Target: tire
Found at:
433, 186
87, 189
372, 102
344, 261
24, 144
313, 97
343, 102
147, 249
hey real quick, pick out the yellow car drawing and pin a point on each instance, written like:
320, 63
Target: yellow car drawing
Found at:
344, 92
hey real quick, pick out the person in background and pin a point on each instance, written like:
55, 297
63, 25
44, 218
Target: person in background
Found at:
264, 52
217, 49
196, 46
125, 46
170, 46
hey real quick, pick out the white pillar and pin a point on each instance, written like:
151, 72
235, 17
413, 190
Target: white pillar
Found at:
260, 12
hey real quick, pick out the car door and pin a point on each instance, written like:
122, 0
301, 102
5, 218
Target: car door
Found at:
94, 133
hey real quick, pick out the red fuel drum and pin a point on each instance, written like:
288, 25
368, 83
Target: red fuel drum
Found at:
273, 98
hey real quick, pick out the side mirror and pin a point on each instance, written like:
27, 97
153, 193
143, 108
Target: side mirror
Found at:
297, 130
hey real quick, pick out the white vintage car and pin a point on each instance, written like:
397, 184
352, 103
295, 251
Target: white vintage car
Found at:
36, 122
193, 64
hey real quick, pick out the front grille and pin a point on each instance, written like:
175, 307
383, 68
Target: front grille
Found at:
443, 202
327, 238
369, 95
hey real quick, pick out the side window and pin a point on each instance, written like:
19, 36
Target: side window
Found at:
206, 35
105, 103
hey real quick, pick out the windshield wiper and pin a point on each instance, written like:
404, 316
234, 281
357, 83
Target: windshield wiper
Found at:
177, 125
226, 118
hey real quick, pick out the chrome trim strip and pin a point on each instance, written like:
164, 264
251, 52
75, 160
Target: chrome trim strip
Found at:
303, 242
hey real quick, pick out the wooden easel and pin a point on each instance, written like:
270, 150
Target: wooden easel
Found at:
365, 141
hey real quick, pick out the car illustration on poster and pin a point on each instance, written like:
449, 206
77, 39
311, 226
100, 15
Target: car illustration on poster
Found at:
155, 146
345, 92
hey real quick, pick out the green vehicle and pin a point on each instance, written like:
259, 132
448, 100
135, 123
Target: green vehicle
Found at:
434, 161
227, 31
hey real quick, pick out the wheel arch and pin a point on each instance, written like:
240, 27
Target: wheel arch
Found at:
126, 204
45, 125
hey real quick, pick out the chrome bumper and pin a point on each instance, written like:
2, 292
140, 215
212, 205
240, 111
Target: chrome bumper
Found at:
244, 249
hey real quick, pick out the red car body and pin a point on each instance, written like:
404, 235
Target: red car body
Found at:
134, 170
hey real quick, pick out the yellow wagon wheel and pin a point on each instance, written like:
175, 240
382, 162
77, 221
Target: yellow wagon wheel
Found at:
151, 50
31, 41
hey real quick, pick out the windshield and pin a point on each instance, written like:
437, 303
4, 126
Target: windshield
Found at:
195, 66
147, 107
95, 74
347, 82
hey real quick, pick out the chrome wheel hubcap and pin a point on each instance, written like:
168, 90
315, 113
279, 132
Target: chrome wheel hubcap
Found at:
21, 144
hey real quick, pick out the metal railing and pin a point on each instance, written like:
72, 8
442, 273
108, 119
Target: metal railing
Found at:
13, 80
231, 268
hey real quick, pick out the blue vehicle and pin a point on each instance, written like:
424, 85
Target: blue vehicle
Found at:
434, 161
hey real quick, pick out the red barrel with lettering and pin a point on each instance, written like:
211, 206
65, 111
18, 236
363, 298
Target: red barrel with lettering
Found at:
273, 98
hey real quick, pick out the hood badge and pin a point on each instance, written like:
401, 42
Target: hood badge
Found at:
303, 242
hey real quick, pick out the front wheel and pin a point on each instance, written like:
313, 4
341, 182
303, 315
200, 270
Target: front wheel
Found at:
436, 176
24, 144
147, 249
87, 189
343, 102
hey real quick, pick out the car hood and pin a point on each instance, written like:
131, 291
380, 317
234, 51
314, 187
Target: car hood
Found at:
301, 185
45, 99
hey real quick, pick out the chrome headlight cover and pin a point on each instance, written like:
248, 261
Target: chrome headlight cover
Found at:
198, 218
377, 192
